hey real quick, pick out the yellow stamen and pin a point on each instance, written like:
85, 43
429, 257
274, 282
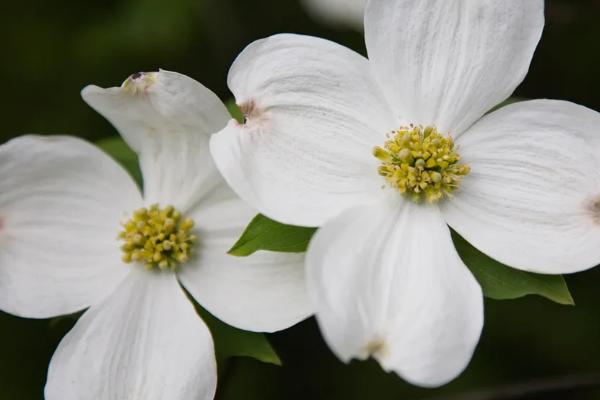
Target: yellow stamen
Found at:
421, 163
158, 238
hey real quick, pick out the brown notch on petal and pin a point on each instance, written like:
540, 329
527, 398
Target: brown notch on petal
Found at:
376, 348
250, 110
593, 209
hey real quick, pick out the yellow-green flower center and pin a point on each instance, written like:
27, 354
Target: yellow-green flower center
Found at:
158, 238
421, 163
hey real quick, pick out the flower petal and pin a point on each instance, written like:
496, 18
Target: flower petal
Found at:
313, 116
61, 203
388, 283
145, 341
532, 200
166, 118
446, 63
263, 292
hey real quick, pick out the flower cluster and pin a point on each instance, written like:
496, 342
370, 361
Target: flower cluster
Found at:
421, 163
381, 274
157, 237
98, 243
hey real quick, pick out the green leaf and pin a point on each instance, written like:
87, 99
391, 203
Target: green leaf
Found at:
501, 282
233, 342
234, 110
265, 234
506, 102
122, 153
497, 280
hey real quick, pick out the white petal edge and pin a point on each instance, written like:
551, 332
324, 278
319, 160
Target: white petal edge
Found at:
313, 117
535, 176
61, 204
387, 282
446, 63
145, 341
167, 118
264, 292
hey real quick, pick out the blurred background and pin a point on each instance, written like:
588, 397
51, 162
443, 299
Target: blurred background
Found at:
53, 48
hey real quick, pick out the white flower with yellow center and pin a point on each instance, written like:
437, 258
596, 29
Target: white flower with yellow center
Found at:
385, 153
75, 232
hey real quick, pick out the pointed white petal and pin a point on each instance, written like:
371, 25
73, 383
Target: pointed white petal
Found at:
448, 62
387, 282
531, 200
166, 118
313, 116
263, 292
61, 205
145, 341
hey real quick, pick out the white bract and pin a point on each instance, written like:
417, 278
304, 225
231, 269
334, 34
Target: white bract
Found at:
347, 12
384, 153
63, 203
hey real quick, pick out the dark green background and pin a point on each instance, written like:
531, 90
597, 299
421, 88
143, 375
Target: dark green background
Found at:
53, 48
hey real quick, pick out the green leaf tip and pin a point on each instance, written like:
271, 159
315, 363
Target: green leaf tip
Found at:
122, 153
234, 342
234, 110
266, 234
501, 282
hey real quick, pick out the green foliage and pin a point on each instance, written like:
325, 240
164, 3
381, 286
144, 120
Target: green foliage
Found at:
497, 280
501, 282
144, 25
118, 149
233, 342
507, 102
26, 346
265, 234
234, 110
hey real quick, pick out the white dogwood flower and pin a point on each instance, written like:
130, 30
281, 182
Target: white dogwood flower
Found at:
384, 153
76, 232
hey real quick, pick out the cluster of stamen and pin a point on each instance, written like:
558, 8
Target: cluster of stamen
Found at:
158, 238
421, 163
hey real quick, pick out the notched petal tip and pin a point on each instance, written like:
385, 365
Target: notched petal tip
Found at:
592, 208
139, 82
251, 112
377, 349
